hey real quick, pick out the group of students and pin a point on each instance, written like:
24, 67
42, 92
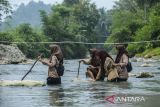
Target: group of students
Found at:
101, 65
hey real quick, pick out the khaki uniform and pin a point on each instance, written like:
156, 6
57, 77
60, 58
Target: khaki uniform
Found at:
110, 70
52, 72
122, 70
113, 72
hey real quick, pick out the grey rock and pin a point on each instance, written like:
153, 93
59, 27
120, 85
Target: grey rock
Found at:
10, 54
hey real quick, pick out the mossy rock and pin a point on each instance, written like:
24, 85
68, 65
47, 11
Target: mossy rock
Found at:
145, 75
147, 56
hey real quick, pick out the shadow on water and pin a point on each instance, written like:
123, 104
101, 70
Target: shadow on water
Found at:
56, 97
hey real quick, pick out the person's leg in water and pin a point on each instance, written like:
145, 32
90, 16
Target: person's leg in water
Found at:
118, 80
90, 74
99, 76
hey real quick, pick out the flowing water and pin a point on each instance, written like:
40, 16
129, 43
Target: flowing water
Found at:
79, 92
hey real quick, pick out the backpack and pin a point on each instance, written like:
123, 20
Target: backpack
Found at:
129, 67
60, 69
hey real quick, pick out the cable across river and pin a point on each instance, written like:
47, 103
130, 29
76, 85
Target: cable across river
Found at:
85, 43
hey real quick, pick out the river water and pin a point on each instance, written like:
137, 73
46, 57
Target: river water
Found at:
80, 92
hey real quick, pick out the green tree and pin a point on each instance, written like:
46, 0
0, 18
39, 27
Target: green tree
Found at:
136, 20
28, 39
71, 2
71, 23
5, 8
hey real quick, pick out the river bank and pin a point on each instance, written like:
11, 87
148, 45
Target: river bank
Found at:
150, 53
11, 54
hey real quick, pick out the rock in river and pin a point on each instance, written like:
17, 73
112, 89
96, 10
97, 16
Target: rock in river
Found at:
27, 83
145, 75
10, 54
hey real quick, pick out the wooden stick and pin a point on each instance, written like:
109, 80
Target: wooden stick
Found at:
78, 70
31, 68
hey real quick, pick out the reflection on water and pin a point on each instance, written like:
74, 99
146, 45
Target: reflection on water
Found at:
75, 92
57, 97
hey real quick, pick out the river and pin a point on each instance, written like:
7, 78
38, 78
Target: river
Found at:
80, 92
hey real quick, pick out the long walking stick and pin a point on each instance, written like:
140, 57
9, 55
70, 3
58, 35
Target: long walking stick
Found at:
30, 68
78, 70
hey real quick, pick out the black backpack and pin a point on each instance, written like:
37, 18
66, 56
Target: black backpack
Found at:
60, 69
129, 66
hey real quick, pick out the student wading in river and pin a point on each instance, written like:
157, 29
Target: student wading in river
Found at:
93, 71
104, 59
117, 71
55, 65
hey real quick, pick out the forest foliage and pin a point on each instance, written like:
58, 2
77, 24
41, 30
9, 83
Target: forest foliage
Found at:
72, 20
82, 21
135, 21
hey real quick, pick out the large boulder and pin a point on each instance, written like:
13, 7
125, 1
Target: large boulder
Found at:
10, 54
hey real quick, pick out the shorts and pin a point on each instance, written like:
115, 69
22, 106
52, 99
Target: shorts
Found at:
53, 81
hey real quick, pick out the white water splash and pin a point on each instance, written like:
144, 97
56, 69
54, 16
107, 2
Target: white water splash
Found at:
80, 80
27, 83
146, 65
